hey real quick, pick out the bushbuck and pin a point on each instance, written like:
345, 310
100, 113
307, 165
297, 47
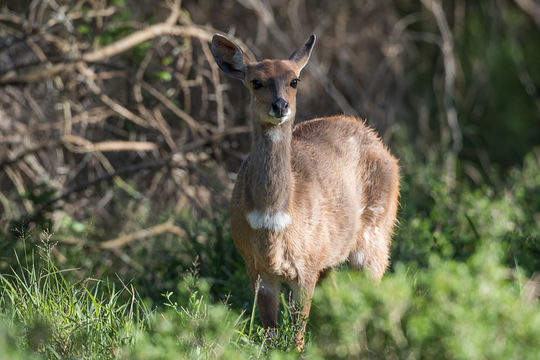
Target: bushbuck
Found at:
306, 198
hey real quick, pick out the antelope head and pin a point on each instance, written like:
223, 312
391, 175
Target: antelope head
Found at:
272, 83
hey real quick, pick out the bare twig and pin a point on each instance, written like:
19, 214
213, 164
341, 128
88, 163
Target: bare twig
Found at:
175, 12
166, 227
447, 49
17, 181
79, 14
532, 8
32, 150
193, 125
144, 35
13, 18
106, 99
165, 129
217, 88
39, 74
81, 145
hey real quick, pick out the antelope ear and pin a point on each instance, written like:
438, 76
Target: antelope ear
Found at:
229, 57
301, 56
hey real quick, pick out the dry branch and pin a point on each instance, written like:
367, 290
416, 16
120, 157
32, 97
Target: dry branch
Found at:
166, 227
39, 74
447, 49
79, 14
532, 8
90, 77
143, 35
192, 123
81, 145
32, 150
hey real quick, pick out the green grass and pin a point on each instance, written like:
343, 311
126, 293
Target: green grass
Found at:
62, 318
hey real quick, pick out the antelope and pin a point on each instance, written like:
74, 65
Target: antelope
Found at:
307, 198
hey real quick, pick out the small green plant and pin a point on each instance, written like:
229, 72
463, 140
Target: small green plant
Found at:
195, 327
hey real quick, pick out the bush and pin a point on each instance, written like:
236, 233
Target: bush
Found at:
450, 310
455, 223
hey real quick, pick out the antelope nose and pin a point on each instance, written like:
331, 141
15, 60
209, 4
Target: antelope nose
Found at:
280, 108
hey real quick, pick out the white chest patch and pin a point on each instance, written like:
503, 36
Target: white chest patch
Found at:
275, 221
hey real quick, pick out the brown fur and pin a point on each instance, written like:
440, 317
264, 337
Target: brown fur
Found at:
332, 175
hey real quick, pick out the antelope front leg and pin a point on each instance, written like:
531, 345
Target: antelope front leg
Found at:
302, 295
267, 300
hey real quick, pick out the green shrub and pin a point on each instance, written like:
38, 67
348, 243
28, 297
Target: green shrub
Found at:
449, 310
455, 223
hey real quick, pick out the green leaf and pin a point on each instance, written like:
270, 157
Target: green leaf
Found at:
83, 29
164, 75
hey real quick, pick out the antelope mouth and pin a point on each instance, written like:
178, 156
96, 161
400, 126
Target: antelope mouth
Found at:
277, 120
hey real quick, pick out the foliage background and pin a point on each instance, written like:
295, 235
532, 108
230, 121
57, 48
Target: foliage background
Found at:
117, 162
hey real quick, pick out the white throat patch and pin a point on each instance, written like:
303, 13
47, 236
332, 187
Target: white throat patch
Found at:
274, 134
274, 221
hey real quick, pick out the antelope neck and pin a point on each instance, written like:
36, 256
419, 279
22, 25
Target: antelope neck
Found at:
270, 183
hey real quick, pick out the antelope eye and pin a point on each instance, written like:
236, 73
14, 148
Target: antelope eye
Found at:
257, 84
294, 83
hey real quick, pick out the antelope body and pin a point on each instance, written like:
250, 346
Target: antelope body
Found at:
309, 198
